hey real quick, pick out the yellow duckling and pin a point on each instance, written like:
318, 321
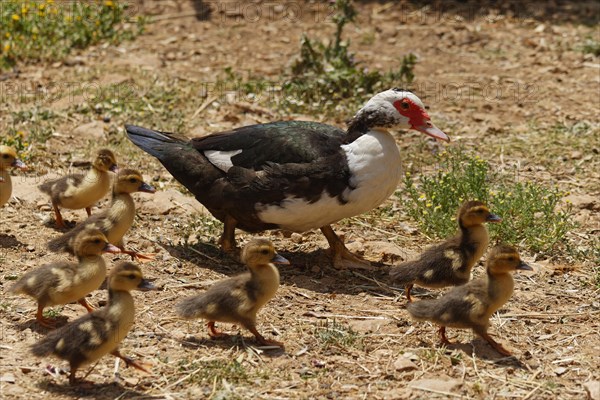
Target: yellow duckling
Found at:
8, 158
450, 262
238, 299
472, 304
65, 282
96, 334
116, 220
76, 191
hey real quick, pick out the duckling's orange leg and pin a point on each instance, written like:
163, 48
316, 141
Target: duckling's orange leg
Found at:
59, 220
213, 332
261, 339
88, 210
342, 257
135, 256
87, 305
497, 346
130, 362
407, 290
45, 322
227, 239
442, 335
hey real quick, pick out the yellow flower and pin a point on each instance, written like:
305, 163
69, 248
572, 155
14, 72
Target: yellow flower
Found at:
109, 3
422, 196
24, 10
428, 205
50, 1
41, 6
7, 35
437, 208
6, 48
425, 212
15, 17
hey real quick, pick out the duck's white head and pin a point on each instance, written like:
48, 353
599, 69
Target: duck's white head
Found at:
396, 108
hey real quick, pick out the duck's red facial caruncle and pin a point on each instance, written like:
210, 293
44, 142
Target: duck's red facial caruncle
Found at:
418, 118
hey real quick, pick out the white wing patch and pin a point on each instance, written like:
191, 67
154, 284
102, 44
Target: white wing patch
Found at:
221, 159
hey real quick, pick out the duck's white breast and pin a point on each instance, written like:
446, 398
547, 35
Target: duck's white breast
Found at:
374, 163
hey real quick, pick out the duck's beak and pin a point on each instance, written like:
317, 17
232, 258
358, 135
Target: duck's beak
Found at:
114, 168
280, 260
146, 285
523, 266
109, 248
18, 164
428, 128
144, 187
493, 218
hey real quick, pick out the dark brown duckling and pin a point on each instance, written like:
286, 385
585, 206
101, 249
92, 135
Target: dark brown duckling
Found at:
472, 304
94, 335
238, 299
77, 191
450, 262
65, 282
116, 220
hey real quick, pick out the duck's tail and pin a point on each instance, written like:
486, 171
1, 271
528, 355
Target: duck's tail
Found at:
151, 141
404, 274
426, 310
192, 307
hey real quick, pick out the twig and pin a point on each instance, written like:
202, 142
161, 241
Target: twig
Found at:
437, 391
535, 389
204, 255
185, 377
203, 106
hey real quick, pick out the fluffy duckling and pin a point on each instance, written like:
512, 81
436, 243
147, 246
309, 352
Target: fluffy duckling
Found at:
238, 299
8, 158
76, 191
471, 305
65, 282
450, 262
94, 335
116, 220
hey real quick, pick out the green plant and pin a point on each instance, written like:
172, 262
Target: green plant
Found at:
327, 75
214, 371
530, 212
334, 334
48, 30
591, 46
52, 312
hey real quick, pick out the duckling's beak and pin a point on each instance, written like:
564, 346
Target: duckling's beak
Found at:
114, 168
146, 188
109, 248
146, 285
18, 164
493, 218
523, 266
280, 260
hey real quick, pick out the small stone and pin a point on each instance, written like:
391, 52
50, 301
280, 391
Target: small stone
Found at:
8, 377
31, 248
560, 371
403, 364
297, 238
593, 389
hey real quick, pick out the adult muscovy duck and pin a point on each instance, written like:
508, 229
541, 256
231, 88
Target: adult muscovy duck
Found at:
294, 175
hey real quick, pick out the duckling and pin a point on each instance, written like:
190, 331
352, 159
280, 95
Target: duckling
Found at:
96, 334
76, 191
65, 282
116, 220
450, 262
471, 305
238, 299
8, 158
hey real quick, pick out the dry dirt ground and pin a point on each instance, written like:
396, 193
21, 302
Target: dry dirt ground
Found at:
499, 81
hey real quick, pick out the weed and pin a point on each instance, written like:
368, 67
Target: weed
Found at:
52, 312
591, 46
334, 334
48, 30
327, 75
214, 370
529, 210
28, 128
200, 227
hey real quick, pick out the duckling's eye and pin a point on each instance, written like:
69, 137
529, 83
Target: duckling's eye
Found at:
131, 276
97, 241
264, 251
132, 180
404, 105
5, 156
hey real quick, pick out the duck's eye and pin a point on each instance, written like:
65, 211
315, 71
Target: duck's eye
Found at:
133, 180
264, 251
5, 156
97, 241
404, 105
131, 276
